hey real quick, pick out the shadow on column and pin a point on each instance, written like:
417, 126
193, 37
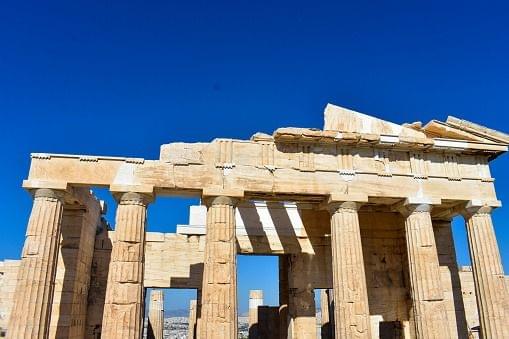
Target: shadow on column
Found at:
327, 313
99, 279
447, 257
72, 222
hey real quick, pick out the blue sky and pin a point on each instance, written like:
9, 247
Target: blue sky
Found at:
122, 78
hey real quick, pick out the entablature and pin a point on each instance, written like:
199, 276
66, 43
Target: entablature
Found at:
355, 153
289, 178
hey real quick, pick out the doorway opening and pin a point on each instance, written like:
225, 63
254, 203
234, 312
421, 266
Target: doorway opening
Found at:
390, 330
177, 310
257, 295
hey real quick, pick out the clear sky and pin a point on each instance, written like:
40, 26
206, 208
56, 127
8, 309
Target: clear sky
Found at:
121, 78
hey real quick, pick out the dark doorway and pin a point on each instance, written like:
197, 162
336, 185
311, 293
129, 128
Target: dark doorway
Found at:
390, 330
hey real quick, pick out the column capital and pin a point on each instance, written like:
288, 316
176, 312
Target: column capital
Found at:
132, 198
338, 201
478, 206
220, 200
46, 189
49, 193
416, 205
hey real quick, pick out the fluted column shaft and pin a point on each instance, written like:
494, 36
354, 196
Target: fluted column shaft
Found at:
490, 288
351, 308
123, 308
430, 319
156, 315
219, 292
191, 333
283, 296
301, 300
255, 300
198, 314
31, 312
326, 320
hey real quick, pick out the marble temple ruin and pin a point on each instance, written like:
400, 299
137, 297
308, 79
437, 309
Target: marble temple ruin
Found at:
360, 210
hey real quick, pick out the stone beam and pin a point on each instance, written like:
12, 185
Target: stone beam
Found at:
288, 169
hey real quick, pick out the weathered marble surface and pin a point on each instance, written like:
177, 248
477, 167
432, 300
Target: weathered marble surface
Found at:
272, 194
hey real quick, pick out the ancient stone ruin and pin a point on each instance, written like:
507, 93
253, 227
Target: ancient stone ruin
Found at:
360, 210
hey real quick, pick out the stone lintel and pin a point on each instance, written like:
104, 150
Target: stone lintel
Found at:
341, 197
125, 188
209, 192
31, 185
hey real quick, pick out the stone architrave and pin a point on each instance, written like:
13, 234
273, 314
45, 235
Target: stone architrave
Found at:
351, 309
123, 308
156, 315
429, 312
31, 312
219, 291
490, 287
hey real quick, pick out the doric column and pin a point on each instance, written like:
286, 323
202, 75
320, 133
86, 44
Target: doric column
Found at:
219, 292
191, 332
491, 291
351, 308
326, 321
197, 330
429, 313
283, 296
156, 315
123, 308
30, 315
301, 301
255, 300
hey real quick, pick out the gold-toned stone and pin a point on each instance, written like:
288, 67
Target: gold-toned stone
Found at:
346, 208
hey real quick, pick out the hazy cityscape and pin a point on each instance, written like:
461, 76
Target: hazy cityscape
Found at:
177, 327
